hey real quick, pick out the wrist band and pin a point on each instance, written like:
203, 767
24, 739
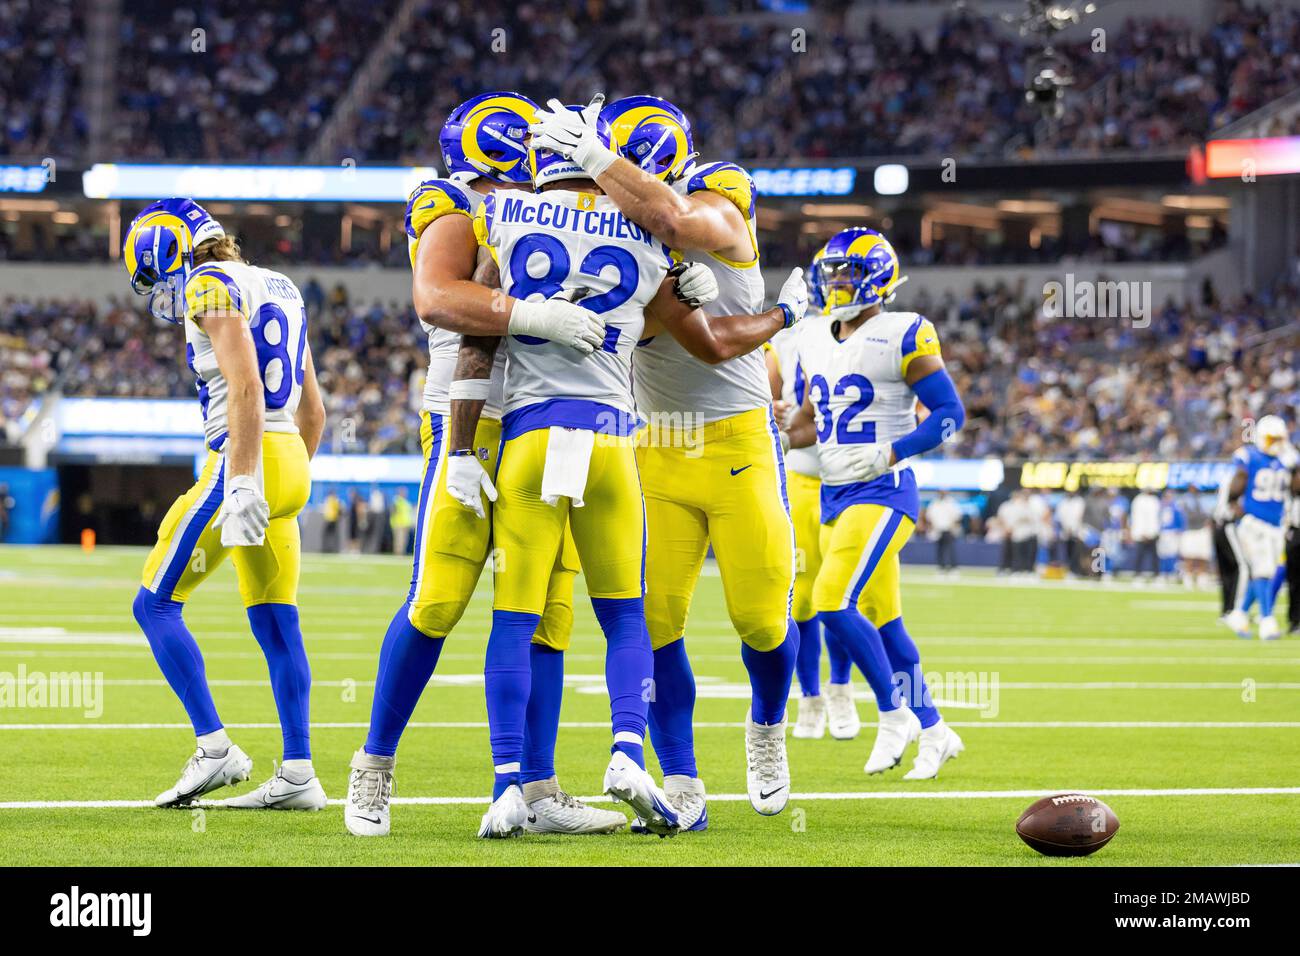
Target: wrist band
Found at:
470, 389
460, 452
789, 314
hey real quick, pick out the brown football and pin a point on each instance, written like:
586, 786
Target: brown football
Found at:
1067, 824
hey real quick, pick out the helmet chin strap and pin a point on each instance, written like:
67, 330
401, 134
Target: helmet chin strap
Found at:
687, 168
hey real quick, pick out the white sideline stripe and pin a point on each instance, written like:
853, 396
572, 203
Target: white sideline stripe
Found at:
708, 725
722, 797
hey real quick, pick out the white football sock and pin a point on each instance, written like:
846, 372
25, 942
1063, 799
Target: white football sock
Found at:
298, 771
215, 743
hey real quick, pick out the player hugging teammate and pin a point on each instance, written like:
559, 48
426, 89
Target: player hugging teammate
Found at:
576, 271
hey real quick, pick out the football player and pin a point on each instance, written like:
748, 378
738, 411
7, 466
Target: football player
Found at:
866, 368
483, 149
246, 343
803, 476
569, 438
725, 486
1258, 491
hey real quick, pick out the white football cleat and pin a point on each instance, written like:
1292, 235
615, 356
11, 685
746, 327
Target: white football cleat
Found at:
938, 745
1238, 622
894, 731
551, 810
1269, 630
370, 787
506, 817
842, 712
811, 722
279, 793
686, 794
204, 773
767, 772
625, 781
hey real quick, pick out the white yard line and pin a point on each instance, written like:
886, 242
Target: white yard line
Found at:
706, 725
727, 797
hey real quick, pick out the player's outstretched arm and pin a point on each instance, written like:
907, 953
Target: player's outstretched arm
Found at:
446, 298
310, 417
442, 290
702, 220
715, 339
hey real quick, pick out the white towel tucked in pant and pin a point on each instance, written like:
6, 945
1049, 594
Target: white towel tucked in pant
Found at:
568, 458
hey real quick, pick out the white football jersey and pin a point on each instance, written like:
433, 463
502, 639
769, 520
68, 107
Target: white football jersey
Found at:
859, 395
561, 240
671, 380
277, 319
794, 386
431, 200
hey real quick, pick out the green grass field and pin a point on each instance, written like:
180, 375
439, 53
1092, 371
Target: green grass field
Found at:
1134, 693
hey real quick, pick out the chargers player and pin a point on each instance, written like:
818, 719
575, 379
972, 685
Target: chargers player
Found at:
246, 343
483, 149
803, 476
866, 368
1258, 490
569, 439
733, 495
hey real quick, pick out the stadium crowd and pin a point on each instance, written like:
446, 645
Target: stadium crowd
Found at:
1034, 387
208, 81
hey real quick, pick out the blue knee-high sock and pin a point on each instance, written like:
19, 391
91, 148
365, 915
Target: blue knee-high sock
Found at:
542, 724
808, 665
864, 644
407, 660
1263, 588
177, 653
769, 676
841, 663
507, 675
672, 711
1279, 579
278, 634
905, 659
629, 670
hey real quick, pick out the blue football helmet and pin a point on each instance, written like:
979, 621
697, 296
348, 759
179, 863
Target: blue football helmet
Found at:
651, 133
159, 251
484, 136
858, 268
549, 167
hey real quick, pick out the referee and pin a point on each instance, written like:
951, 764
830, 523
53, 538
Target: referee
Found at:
1227, 553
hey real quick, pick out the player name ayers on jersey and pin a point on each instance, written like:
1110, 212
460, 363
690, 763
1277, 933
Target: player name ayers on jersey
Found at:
277, 319
859, 394
558, 241
430, 201
668, 378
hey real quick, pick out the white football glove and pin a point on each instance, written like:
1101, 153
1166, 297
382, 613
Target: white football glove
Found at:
573, 135
870, 461
696, 283
244, 514
466, 477
794, 296
560, 321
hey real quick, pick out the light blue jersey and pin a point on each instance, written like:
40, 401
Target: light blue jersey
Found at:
1267, 480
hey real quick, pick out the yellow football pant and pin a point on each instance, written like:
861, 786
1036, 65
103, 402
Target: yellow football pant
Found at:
189, 548
726, 485
608, 532
452, 543
860, 562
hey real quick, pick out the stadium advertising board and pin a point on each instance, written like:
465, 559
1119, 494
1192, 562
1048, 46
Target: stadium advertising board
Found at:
1140, 475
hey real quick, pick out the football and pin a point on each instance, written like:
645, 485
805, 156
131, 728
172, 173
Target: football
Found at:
1067, 824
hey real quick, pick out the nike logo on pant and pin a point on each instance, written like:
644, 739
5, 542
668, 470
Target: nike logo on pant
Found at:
736, 471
